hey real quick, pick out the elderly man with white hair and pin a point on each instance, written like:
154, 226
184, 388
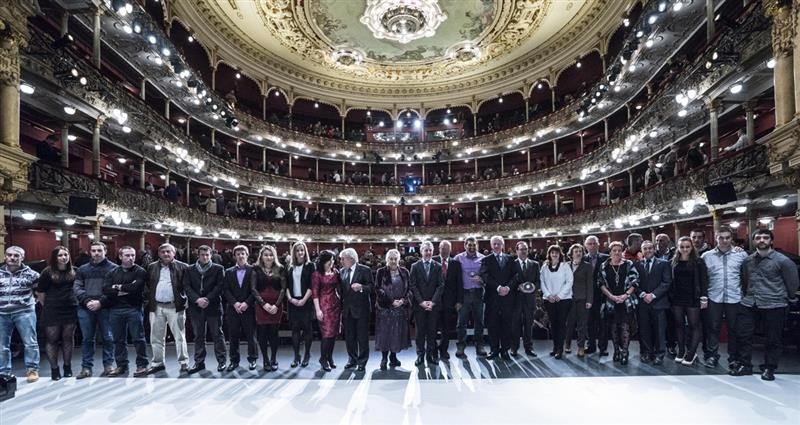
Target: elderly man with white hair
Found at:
17, 311
356, 290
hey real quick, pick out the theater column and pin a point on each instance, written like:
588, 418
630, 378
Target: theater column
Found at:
142, 241
96, 145
750, 120
264, 159
65, 146
714, 108
142, 174
143, 89
710, 27
783, 33
96, 38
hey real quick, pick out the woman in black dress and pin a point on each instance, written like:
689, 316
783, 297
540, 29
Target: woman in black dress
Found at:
60, 310
393, 308
300, 306
688, 295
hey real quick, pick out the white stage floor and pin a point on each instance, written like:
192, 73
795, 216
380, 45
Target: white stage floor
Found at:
464, 400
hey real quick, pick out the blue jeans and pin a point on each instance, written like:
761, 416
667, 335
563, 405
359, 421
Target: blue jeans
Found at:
473, 304
25, 322
89, 321
126, 320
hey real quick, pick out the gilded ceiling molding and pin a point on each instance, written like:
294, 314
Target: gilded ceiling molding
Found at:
562, 48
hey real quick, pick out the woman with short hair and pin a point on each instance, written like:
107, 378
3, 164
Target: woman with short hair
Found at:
393, 302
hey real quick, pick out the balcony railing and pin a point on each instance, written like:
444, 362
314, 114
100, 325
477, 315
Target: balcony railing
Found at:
51, 186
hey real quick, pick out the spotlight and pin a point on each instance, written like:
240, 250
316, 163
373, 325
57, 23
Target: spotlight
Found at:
736, 88
779, 202
165, 51
29, 216
682, 113
152, 39
69, 221
83, 81
190, 39
72, 137
771, 63
238, 75
26, 88
126, 129
69, 110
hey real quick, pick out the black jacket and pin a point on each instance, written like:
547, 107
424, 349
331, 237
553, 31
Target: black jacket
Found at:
426, 288
495, 276
453, 288
176, 270
357, 304
208, 285
131, 294
658, 281
231, 290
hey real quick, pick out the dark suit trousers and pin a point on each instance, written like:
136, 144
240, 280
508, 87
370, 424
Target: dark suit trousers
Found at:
771, 320
599, 330
447, 325
523, 321
202, 319
242, 327
558, 313
652, 330
500, 317
426, 330
356, 336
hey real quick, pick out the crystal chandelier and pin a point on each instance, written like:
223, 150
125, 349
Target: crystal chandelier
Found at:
403, 20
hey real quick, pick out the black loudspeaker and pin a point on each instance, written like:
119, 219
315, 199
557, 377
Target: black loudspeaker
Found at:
82, 206
719, 194
8, 386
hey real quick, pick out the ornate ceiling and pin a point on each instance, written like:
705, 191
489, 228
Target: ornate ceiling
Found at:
366, 50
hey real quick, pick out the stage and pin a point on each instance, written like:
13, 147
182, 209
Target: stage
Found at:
525, 390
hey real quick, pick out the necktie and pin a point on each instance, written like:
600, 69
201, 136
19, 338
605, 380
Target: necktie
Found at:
427, 269
346, 275
524, 264
500, 260
649, 263
444, 267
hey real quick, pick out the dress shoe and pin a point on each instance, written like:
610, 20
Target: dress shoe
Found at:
231, 367
85, 373
154, 369
304, 363
184, 368
432, 359
479, 351
617, 356
504, 355
120, 371
741, 370
493, 355
768, 375
679, 357
333, 365
67, 371
324, 365
420, 360
552, 353
672, 352
444, 355
513, 353
106, 371
581, 352
295, 362
623, 359
33, 375
590, 350
558, 356
711, 362
361, 368
658, 361
384, 363
530, 353
197, 368
689, 359
460, 352
350, 364
221, 367
55, 374
568, 348
393, 362
139, 372
644, 358
252, 365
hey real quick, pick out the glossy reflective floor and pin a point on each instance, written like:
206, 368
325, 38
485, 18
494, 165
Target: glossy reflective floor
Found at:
525, 390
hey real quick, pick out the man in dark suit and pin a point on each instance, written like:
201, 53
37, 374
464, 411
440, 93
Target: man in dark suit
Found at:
427, 284
524, 270
598, 331
497, 274
240, 316
203, 282
655, 277
356, 290
451, 272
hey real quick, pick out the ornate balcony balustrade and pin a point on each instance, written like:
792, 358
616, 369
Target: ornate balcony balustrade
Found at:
746, 169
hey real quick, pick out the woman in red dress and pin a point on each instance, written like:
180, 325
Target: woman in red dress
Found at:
328, 305
268, 285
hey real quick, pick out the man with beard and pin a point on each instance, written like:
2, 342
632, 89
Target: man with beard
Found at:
769, 281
